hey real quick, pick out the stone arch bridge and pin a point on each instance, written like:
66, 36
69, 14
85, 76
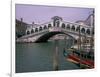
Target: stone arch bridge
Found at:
44, 31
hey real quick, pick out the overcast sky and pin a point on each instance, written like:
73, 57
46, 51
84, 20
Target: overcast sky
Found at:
42, 14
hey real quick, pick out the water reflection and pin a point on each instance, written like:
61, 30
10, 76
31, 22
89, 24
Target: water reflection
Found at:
35, 57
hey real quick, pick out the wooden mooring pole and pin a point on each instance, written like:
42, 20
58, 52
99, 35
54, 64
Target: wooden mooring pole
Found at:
55, 58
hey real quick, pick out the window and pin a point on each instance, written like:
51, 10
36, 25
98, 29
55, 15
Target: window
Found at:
49, 25
68, 26
32, 31
78, 28
63, 25
40, 29
83, 30
73, 28
45, 27
88, 31
36, 29
28, 32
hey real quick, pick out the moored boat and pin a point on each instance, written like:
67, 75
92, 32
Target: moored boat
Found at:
83, 59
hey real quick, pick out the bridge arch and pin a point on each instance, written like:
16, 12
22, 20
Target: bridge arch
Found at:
68, 26
40, 28
49, 25
63, 25
32, 30
45, 27
77, 29
73, 28
46, 36
36, 29
58, 23
28, 32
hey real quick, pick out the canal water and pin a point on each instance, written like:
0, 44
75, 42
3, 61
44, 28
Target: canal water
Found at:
36, 57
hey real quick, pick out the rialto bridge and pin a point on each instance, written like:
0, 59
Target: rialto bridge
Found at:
43, 32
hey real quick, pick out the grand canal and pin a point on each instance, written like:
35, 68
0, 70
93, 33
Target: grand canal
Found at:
36, 57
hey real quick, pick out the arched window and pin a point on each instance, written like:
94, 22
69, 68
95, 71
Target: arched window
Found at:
45, 27
40, 28
56, 23
36, 29
28, 32
68, 26
63, 25
49, 25
73, 28
78, 28
88, 31
83, 30
32, 31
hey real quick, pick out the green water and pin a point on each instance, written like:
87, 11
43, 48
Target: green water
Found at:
36, 57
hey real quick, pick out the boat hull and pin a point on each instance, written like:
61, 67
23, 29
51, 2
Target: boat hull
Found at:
84, 63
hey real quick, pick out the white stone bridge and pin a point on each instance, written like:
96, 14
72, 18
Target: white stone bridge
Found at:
44, 31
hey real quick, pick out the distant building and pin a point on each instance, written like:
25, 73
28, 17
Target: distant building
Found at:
20, 28
89, 21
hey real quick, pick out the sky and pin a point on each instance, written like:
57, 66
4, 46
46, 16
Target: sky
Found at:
41, 14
